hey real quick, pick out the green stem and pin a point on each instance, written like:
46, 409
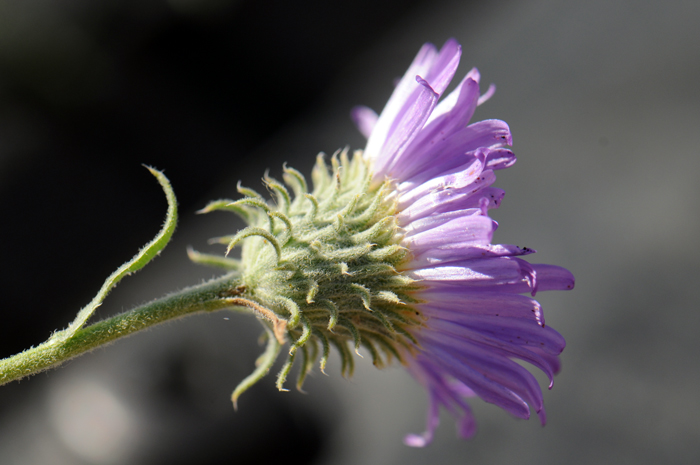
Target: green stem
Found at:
213, 295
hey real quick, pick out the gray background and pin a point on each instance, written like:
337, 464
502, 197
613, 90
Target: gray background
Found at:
603, 103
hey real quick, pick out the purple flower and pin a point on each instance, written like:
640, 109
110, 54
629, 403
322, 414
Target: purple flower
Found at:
477, 322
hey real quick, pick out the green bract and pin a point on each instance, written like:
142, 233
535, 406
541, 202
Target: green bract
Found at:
320, 268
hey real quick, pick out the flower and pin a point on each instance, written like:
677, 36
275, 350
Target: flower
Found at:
391, 250
476, 319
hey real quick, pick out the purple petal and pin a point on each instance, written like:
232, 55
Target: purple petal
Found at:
489, 93
473, 230
418, 440
485, 199
443, 69
405, 126
549, 364
492, 195
542, 414
474, 74
447, 254
466, 427
455, 110
433, 221
444, 150
495, 304
444, 200
469, 231
552, 361
365, 119
460, 388
408, 109
515, 331
497, 368
448, 391
399, 98
498, 159
487, 389
504, 274
441, 391
459, 179
530, 274
432, 422
544, 362
490, 158
549, 278
432, 180
487, 272
554, 278
448, 117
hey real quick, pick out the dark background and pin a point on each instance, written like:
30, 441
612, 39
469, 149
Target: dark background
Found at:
92, 90
603, 102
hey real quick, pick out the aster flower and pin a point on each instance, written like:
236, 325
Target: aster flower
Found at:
389, 250
476, 320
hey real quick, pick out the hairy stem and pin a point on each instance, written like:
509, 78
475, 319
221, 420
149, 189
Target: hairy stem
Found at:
214, 295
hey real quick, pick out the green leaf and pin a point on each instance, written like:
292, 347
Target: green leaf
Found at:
141, 259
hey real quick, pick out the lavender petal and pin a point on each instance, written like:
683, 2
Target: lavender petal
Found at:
365, 119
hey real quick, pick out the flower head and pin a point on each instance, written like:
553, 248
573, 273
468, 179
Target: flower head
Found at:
391, 250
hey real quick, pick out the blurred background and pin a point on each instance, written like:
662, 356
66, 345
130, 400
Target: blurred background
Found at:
603, 101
